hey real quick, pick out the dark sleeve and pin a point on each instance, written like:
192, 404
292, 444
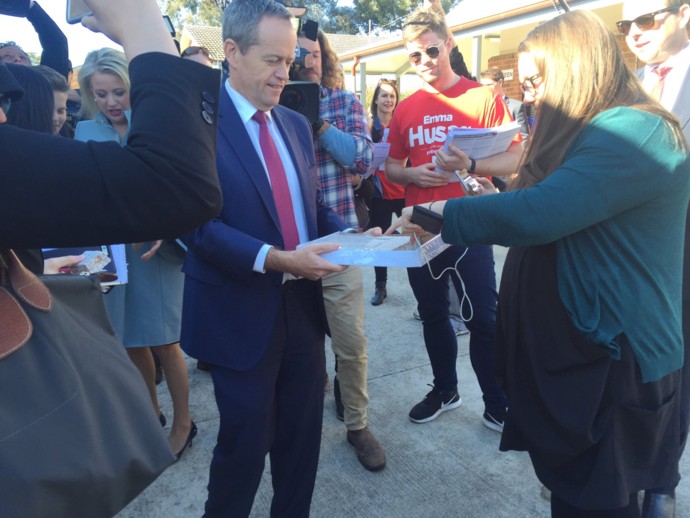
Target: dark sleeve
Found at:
56, 192
521, 119
53, 42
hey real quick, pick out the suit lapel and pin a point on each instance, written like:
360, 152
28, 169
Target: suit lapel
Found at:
231, 129
291, 138
681, 108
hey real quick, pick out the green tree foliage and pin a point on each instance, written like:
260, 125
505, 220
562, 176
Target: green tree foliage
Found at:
387, 15
379, 15
196, 12
34, 56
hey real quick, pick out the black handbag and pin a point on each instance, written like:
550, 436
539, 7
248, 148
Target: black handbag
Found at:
78, 435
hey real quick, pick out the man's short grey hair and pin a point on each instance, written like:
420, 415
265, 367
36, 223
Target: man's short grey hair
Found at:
241, 20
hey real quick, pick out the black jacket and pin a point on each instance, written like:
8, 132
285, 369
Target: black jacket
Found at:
58, 192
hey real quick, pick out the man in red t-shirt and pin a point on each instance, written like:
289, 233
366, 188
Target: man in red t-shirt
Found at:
418, 131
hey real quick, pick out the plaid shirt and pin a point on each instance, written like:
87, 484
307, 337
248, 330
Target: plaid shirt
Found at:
342, 109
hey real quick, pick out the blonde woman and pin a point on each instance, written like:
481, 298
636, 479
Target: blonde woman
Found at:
146, 312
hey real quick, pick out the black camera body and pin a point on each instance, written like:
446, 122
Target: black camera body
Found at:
303, 96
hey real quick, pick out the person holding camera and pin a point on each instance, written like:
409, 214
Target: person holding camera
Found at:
53, 41
343, 149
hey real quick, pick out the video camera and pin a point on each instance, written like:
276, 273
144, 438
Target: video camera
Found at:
302, 96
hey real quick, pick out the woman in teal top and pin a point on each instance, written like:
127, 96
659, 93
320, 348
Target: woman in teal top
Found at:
589, 342
146, 312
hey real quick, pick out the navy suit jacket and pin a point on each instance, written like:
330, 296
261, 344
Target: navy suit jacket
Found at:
229, 310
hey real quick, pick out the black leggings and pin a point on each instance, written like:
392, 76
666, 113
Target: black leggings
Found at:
380, 215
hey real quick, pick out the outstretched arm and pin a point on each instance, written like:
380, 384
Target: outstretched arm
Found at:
53, 42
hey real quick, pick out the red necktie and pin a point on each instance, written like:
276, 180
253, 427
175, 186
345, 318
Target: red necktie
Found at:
281, 191
658, 85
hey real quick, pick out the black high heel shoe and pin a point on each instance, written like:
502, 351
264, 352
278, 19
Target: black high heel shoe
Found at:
188, 442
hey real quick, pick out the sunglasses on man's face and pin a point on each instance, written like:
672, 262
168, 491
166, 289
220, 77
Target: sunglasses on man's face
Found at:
432, 51
644, 21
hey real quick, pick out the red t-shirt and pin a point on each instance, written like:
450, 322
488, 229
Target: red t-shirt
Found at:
420, 123
391, 191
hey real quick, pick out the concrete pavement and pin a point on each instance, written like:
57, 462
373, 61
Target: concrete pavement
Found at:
450, 467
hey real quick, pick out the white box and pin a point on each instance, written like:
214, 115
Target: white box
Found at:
366, 250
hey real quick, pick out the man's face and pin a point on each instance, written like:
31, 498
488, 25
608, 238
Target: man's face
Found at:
433, 70
667, 37
314, 73
260, 74
11, 54
493, 85
60, 112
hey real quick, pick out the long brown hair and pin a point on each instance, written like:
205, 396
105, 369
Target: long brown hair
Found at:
331, 71
584, 74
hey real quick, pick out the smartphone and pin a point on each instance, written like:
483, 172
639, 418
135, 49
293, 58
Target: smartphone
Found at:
76, 10
469, 185
427, 219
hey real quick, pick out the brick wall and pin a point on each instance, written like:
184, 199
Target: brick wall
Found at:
508, 62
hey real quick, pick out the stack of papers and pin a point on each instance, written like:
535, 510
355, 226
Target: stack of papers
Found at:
366, 250
481, 143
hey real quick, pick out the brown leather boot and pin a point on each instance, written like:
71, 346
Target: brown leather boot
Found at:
370, 453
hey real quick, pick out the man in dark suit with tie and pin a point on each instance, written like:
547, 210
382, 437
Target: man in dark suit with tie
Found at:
253, 307
657, 33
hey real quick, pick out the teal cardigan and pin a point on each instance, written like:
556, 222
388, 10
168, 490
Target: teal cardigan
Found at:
616, 210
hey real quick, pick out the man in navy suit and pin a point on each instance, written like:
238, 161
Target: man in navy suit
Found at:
656, 32
253, 307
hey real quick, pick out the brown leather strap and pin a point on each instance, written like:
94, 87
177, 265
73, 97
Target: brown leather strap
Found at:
15, 325
26, 285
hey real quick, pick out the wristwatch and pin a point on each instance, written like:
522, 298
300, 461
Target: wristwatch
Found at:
473, 165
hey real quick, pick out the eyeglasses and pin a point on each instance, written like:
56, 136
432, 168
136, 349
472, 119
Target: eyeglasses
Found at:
528, 84
5, 103
193, 50
432, 51
644, 21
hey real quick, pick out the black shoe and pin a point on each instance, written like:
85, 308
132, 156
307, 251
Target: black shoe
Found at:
658, 505
339, 408
434, 404
203, 366
162, 419
493, 422
380, 293
188, 442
